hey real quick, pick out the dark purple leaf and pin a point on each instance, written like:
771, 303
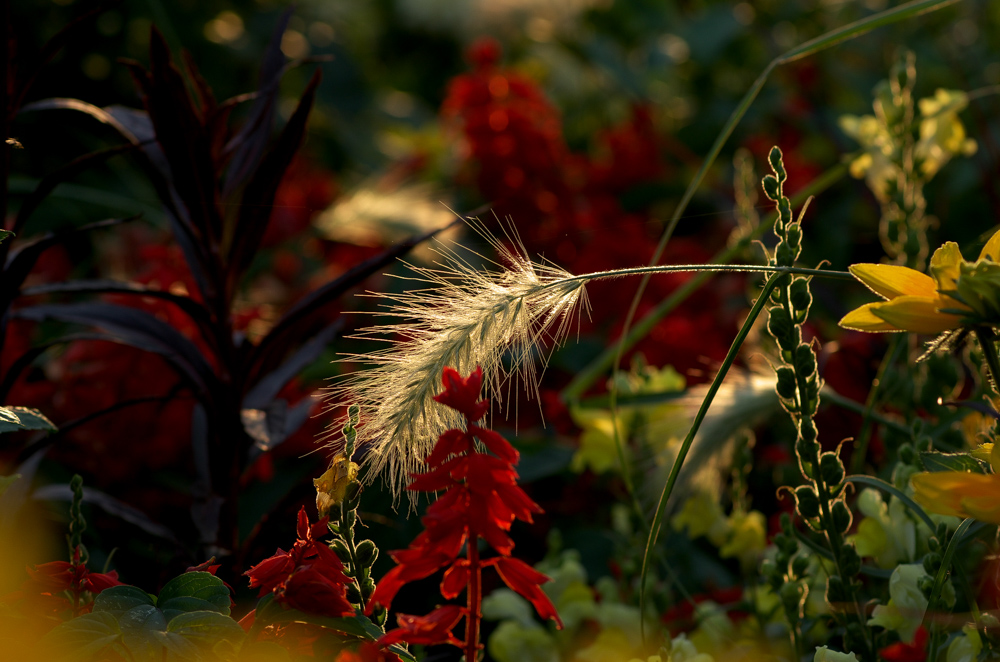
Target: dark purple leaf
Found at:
110, 505
100, 114
267, 388
155, 164
248, 144
197, 312
276, 341
258, 198
136, 328
24, 360
182, 137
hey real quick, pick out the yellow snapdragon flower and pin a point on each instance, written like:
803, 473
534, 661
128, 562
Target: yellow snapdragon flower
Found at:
960, 493
955, 292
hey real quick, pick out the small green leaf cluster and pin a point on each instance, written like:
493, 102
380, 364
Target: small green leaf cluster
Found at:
189, 620
820, 502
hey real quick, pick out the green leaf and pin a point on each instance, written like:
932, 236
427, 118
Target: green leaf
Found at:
23, 418
5, 233
119, 599
934, 461
85, 636
194, 591
143, 632
206, 628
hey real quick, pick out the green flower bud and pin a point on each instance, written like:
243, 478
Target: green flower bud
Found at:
807, 501
831, 469
792, 596
801, 298
367, 552
774, 158
771, 188
800, 564
932, 562
805, 360
340, 549
836, 592
786, 383
841, 516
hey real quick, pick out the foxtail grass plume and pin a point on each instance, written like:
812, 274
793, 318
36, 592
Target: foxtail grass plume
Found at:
464, 317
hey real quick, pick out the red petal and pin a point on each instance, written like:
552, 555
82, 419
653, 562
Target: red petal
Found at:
524, 580
463, 394
451, 442
456, 578
496, 443
434, 628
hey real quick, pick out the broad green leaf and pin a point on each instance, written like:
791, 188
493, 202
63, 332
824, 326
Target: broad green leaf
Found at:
23, 418
209, 592
143, 632
85, 636
934, 461
185, 604
206, 628
119, 599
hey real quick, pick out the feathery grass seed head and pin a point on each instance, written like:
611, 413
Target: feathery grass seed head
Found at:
464, 317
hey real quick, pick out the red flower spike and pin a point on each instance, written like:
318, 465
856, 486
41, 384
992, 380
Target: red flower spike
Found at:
912, 652
481, 500
434, 628
462, 395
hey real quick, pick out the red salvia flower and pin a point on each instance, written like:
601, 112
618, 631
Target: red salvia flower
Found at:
912, 652
47, 585
309, 578
481, 500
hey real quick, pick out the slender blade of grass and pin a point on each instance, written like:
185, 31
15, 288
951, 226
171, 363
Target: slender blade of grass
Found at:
668, 488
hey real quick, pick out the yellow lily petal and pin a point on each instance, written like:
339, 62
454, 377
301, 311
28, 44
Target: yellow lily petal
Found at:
959, 494
863, 319
991, 251
917, 314
945, 265
891, 281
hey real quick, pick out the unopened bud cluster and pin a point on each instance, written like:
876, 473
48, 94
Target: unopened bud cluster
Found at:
341, 503
820, 502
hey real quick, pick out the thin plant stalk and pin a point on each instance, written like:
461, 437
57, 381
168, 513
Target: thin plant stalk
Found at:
661, 506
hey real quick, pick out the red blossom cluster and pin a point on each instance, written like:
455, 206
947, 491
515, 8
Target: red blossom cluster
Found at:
481, 499
568, 206
309, 578
60, 586
915, 651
